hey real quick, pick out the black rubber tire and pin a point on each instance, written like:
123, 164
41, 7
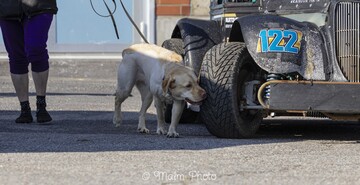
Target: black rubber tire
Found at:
174, 44
225, 69
188, 116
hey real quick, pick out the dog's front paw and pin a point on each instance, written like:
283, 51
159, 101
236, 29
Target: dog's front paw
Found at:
143, 130
161, 131
172, 134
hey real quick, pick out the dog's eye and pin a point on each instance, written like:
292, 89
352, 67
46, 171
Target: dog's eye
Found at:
188, 86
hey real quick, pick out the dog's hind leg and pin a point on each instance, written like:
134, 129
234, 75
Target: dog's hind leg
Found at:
126, 81
119, 98
146, 99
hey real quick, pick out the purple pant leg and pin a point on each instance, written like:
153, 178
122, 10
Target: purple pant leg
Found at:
25, 43
13, 35
35, 37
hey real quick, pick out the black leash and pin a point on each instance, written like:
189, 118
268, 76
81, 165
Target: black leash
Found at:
132, 21
111, 14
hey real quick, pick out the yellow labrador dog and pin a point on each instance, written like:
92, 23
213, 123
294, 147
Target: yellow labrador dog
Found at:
159, 75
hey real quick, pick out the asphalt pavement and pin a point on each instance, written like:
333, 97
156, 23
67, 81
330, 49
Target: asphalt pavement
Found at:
82, 146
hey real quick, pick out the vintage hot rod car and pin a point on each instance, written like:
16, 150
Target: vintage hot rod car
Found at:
259, 58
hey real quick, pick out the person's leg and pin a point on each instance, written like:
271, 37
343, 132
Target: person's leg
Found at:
40, 81
13, 36
36, 35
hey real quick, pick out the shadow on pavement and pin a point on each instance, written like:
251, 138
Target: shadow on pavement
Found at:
310, 129
58, 94
93, 131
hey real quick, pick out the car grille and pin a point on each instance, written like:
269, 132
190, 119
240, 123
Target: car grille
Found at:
347, 29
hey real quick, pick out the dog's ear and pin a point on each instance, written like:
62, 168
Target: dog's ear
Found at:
167, 83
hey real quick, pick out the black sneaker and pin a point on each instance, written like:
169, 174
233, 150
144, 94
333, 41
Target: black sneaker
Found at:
25, 117
43, 116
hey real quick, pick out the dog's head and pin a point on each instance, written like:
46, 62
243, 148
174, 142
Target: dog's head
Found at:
182, 84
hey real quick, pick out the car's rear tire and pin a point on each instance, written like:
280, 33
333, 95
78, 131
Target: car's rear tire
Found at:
225, 69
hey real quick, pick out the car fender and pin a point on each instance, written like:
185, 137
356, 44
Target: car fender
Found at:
198, 36
282, 45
